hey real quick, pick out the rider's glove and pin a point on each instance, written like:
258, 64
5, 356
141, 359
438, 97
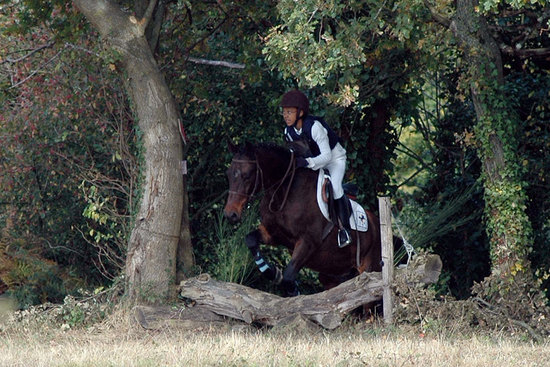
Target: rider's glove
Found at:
301, 162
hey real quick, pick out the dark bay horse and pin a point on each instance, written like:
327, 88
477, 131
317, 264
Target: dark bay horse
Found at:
290, 217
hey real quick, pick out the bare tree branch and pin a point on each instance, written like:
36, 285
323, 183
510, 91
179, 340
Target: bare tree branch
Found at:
80, 48
525, 53
217, 63
32, 52
33, 73
148, 15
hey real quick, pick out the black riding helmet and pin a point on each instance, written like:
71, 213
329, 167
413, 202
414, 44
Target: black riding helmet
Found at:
297, 99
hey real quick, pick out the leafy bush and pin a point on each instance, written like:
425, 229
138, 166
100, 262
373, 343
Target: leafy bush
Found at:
29, 276
82, 310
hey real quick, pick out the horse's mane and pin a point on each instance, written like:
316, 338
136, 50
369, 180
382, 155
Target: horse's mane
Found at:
278, 150
265, 147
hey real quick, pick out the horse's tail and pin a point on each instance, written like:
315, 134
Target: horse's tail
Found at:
371, 259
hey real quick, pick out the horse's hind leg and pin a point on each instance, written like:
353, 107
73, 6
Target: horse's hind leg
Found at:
270, 271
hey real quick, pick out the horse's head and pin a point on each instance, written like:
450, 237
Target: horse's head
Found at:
243, 176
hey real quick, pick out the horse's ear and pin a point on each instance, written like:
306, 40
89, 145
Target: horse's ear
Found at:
248, 147
232, 147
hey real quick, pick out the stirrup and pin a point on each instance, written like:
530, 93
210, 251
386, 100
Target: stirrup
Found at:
344, 238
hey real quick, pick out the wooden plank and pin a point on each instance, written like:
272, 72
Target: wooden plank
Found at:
387, 257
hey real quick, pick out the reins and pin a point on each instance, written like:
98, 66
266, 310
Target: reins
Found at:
292, 165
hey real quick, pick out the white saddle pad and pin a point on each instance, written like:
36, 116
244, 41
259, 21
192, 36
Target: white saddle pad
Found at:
358, 218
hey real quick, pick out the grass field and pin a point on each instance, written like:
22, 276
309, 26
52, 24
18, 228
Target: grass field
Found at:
117, 342
7, 306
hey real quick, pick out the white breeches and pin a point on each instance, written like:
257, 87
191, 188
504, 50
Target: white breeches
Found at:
337, 169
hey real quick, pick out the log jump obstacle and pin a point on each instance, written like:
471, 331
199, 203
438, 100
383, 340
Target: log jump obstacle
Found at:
209, 300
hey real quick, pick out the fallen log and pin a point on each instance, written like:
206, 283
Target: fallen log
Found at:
326, 308
170, 317
250, 305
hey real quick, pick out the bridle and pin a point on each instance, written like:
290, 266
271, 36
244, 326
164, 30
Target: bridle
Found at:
259, 180
259, 174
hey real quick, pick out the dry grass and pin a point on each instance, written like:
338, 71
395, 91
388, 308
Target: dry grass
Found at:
7, 306
117, 342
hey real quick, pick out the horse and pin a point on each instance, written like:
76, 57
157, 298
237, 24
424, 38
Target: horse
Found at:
290, 217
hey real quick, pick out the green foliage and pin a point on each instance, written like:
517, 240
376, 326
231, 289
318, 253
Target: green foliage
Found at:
339, 45
440, 205
428, 223
30, 277
369, 154
82, 310
493, 5
448, 226
357, 57
57, 15
62, 132
67, 145
231, 260
219, 104
505, 195
531, 93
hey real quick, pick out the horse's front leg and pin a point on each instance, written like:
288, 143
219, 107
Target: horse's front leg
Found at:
302, 251
253, 240
289, 284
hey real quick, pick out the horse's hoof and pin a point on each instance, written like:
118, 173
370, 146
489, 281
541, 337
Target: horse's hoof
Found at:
292, 294
278, 276
290, 288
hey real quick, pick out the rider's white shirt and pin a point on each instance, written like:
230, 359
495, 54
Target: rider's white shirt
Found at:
326, 156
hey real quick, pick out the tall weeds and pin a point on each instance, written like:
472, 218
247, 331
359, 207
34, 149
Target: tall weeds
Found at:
422, 225
233, 262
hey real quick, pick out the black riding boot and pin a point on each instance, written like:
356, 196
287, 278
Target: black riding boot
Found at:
344, 234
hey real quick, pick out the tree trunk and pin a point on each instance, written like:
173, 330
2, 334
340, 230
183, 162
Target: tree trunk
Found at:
152, 249
377, 141
508, 226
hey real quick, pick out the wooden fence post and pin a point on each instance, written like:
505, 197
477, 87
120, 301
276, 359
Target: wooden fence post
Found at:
387, 257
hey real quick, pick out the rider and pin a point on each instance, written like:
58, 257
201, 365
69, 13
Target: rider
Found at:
326, 151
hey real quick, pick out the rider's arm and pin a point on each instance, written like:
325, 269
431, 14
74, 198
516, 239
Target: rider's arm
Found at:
320, 136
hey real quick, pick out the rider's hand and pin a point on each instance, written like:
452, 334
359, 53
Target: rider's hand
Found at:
301, 162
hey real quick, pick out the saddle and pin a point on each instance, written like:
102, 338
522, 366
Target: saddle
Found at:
325, 199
